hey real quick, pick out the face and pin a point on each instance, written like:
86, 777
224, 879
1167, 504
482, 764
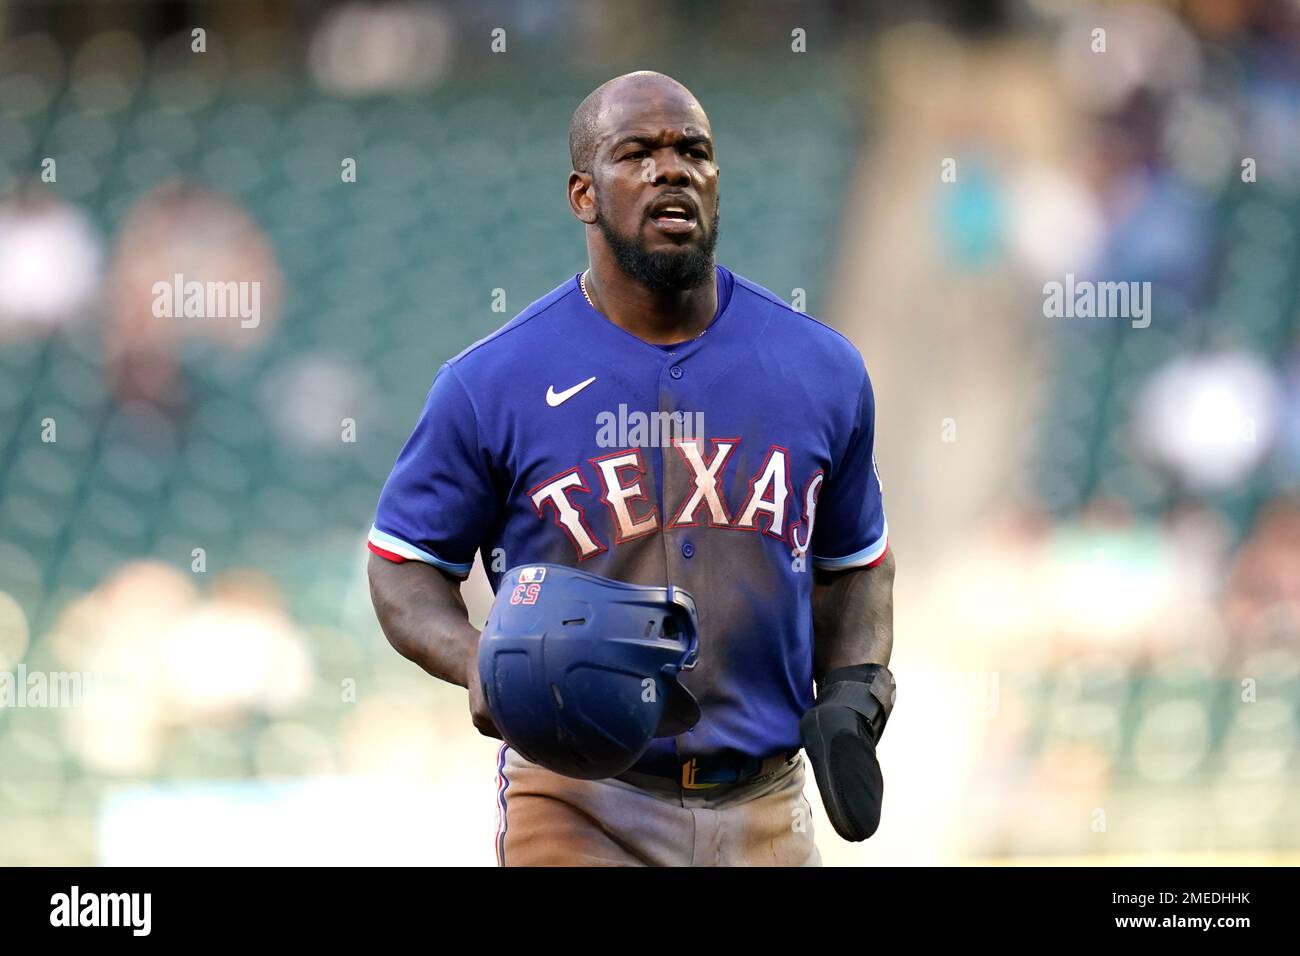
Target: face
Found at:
655, 186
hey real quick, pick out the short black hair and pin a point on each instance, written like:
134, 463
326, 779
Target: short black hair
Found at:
582, 127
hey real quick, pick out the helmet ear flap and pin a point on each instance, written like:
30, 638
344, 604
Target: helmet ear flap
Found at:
566, 661
689, 619
681, 709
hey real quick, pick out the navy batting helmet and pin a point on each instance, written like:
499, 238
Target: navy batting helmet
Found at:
580, 671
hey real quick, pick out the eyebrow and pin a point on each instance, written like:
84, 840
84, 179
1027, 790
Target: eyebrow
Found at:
643, 139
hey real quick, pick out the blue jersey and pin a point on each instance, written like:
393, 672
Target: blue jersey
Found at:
729, 465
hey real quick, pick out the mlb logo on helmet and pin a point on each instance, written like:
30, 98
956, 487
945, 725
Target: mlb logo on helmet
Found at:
529, 588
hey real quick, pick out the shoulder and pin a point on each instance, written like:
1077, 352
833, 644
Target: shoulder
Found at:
516, 343
815, 343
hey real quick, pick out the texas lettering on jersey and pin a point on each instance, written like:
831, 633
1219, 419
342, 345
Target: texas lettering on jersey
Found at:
621, 477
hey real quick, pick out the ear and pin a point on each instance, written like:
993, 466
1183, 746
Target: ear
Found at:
582, 197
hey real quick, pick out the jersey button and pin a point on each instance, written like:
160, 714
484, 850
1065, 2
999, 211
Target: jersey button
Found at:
676, 371
688, 550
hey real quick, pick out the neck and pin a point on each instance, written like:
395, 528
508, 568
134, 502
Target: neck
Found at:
657, 316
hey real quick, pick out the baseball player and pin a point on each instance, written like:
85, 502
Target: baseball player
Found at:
659, 420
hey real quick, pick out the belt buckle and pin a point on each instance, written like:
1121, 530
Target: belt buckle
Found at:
689, 772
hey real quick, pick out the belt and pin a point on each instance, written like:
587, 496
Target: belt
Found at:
705, 771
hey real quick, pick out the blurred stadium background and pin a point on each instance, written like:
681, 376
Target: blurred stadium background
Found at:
1097, 528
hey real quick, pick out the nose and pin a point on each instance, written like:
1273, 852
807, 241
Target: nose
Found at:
671, 169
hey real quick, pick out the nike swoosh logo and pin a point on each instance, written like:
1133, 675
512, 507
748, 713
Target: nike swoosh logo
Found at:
555, 399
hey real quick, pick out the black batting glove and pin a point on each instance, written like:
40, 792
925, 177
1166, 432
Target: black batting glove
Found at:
840, 733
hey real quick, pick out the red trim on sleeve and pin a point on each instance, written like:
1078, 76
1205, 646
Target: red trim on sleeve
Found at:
872, 564
395, 558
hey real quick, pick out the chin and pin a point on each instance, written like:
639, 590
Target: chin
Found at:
673, 271
667, 264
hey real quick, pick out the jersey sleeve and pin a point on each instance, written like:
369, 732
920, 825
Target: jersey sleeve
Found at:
438, 504
850, 530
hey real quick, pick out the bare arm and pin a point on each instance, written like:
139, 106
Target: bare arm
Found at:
423, 616
853, 629
853, 617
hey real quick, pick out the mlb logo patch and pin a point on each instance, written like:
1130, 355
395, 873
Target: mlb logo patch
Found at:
532, 575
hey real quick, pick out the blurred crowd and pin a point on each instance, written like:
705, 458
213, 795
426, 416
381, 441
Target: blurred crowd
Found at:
1096, 515
52, 274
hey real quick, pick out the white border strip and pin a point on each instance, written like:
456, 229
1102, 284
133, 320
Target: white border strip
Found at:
394, 545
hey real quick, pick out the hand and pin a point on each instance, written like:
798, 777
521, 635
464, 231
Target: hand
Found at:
842, 751
839, 734
478, 707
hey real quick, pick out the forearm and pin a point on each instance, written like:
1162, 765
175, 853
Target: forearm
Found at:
853, 629
853, 617
424, 617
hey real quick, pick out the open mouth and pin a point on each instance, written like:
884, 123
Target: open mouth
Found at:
673, 217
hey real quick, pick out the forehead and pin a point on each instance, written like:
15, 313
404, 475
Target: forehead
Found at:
651, 110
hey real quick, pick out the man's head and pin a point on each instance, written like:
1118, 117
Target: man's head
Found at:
644, 176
